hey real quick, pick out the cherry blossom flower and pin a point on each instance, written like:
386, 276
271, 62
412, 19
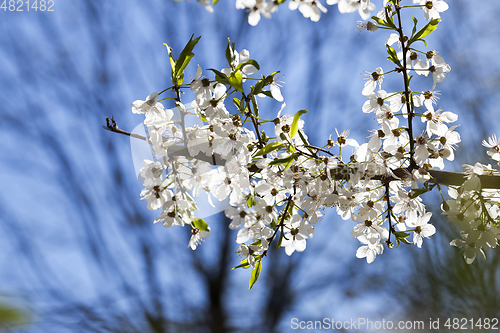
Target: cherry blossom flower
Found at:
156, 194
295, 239
432, 8
240, 58
248, 252
239, 216
348, 6
376, 102
196, 237
422, 229
373, 79
309, 8
435, 121
469, 248
493, 144
370, 249
343, 141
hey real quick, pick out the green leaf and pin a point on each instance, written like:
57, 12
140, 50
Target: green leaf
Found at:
172, 61
200, 224
303, 138
186, 56
243, 264
380, 21
258, 242
255, 273
267, 93
229, 52
425, 31
236, 103
282, 235
220, 77
249, 62
401, 237
295, 124
415, 21
236, 80
259, 86
11, 316
202, 117
255, 107
242, 103
390, 19
214, 2
404, 240
393, 56
401, 234
418, 191
283, 160
249, 201
269, 148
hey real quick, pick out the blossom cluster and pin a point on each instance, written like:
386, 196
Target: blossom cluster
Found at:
279, 184
474, 209
312, 9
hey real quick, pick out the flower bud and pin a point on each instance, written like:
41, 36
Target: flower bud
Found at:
152, 99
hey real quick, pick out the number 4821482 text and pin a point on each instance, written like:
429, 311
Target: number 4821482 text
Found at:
27, 5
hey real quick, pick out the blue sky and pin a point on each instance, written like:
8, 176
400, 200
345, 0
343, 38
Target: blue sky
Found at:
59, 81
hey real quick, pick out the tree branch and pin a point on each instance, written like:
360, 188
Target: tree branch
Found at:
438, 176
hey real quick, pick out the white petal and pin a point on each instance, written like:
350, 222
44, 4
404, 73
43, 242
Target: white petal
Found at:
276, 92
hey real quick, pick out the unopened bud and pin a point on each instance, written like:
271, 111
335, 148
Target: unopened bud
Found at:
444, 153
152, 99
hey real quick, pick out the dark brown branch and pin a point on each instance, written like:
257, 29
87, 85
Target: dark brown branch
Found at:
438, 176
447, 178
174, 150
112, 126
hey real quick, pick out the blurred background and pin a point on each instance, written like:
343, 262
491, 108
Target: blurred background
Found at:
78, 250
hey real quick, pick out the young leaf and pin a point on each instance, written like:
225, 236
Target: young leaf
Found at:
255, 107
249, 201
243, 264
303, 138
415, 21
220, 77
425, 31
390, 19
269, 148
236, 103
249, 62
418, 191
172, 62
185, 56
379, 21
255, 273
236, 80
259, 86
393, 56
295, 124
242, 103
200, 224
282, 235
229, 52
285, 160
